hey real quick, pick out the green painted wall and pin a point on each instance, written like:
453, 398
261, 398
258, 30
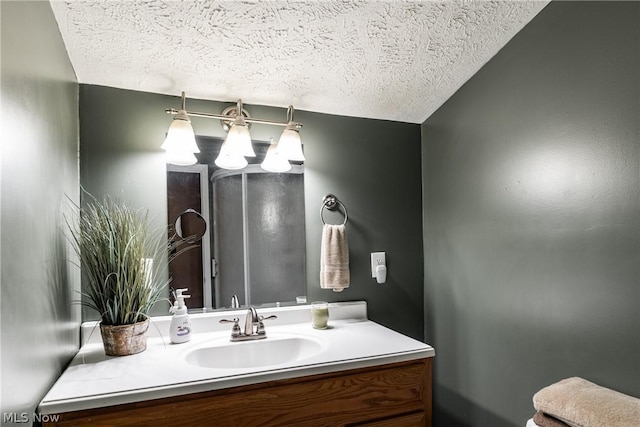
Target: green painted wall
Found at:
530, 212
373, 167
532, 218
39, 169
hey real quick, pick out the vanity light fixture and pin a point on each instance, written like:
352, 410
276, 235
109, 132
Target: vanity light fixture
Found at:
275, 161
231, 159
180, 143
237, 145
289, 144
238, 139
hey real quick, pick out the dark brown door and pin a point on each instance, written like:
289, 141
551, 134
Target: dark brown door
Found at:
183, 192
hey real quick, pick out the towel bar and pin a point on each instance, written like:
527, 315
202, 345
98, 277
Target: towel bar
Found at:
330, 202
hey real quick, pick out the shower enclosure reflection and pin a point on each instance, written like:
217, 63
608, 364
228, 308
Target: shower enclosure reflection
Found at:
258, 219
256, 230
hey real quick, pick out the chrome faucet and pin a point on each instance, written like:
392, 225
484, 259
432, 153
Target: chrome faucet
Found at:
253, 326
250, 321
234, 302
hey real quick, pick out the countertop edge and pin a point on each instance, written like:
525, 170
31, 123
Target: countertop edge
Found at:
133, 396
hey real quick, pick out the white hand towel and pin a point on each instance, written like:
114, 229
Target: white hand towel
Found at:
334, 258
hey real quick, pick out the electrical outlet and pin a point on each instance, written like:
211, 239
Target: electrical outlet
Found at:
377, 258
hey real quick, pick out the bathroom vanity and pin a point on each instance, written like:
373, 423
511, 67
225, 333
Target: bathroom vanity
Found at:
355, 373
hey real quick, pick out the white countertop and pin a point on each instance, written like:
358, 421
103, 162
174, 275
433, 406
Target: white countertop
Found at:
96, 380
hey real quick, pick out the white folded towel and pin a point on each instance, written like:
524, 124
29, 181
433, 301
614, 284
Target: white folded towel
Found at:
334, 258
581, 403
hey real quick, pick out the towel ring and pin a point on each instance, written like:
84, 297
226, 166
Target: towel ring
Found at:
178, 226
330, 202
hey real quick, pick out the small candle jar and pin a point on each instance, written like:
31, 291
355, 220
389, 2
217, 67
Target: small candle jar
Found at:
319, 314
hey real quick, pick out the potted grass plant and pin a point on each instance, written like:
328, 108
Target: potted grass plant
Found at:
120, 259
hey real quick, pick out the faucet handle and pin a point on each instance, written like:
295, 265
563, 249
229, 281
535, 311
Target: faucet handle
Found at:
261, 329
235, 330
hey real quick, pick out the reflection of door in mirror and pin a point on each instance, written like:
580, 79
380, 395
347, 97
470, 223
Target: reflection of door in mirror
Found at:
187, 188
259, 218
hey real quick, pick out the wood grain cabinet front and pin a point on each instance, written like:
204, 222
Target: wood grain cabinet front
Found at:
394, 395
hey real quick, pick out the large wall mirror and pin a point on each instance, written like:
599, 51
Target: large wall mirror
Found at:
253, 243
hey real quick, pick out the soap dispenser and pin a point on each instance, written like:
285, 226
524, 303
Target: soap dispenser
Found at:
180, 329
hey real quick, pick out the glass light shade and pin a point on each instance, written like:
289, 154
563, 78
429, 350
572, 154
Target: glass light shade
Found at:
239, 139
180, 136
274, 161
229, 158
181, 157
290, 145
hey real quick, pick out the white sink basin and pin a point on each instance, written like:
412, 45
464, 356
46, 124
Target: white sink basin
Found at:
254, 354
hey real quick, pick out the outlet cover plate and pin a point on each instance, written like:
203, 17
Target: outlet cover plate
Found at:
377, 258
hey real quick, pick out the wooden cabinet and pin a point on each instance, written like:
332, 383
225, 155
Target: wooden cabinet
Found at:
394, 395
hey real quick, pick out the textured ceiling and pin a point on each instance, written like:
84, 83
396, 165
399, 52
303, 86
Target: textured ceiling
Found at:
394, 60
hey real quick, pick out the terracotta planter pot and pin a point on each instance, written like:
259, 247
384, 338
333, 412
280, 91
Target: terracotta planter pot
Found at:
123, 340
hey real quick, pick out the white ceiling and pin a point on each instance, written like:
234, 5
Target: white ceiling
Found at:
393, 59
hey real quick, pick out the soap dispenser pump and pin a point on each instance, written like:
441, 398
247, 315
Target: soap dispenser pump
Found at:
180, 329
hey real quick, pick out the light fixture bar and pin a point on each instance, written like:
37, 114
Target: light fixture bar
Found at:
181, 145
184, 101
225, 117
